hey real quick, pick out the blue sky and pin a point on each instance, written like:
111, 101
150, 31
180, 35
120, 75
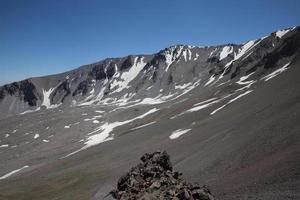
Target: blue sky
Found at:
45, 37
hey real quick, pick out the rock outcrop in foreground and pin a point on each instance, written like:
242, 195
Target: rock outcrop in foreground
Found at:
154, 178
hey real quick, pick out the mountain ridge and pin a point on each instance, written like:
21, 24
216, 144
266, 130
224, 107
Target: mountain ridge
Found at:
219, 62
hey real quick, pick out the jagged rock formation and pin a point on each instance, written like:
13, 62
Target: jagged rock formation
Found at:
155, 179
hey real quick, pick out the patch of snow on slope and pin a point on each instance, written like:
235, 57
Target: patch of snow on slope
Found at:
210, 80
206, 101
88, 101
99, 111
176, 134
200, 106
190, 54
171, 56
211, 53
243, 81
242, 51
105, 131
182, 87
225, 52
128, 76
46, 97
92, 91
169, 59
12, 172
162, 99
4, 145
184, 53
151, 101
36, 136
197, 55
149, 87
276, 72
231, 101
281, 33
30, 111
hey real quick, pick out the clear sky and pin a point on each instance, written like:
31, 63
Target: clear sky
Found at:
41, 37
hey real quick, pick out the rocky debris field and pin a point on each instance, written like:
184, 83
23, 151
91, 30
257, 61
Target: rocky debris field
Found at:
154, 178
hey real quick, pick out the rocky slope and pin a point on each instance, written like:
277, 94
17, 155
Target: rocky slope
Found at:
161, 76
227, 115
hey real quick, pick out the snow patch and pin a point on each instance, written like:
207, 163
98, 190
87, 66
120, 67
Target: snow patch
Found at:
190, 54
99, 111
13, 172
225, 52
231, 101
30, 111
46, 97
276, 72
197, 56
171, 56
184, 54
281, 33
182, 87
105, 131
242, 51
128, 76
211, 79
243, 78
176, 134
213, 51
243, 81
144, 125
202, 105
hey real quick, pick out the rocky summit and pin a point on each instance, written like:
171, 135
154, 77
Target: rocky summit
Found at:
154, 178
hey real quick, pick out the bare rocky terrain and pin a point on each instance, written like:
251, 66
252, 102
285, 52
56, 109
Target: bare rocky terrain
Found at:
227, 115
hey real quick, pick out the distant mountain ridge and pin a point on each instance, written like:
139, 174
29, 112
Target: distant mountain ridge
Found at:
157, 77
